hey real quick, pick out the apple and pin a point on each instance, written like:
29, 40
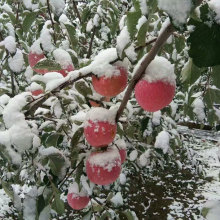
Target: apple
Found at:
153, 96
111, 86
37, 92
100, 133
77, 202
103, 168
33, 59
123, 155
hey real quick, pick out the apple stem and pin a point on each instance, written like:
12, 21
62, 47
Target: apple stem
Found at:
144, 64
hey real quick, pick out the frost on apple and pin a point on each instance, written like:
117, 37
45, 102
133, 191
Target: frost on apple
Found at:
103, 168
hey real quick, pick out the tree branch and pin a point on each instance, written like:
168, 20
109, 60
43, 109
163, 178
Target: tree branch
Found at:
143, 65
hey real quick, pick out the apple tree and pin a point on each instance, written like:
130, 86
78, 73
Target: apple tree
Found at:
85, 84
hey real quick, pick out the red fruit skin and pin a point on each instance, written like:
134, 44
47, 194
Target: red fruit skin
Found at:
154, 96
64, 72
94, 104
37, 92
100, 134
33, 59
78, 202
110, 86
123, 155
101, 176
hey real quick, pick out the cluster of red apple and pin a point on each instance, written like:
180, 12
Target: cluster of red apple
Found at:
104, 165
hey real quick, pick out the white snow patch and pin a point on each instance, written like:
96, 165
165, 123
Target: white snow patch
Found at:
74, 189
57, 6
143, 6
141, 21
133, 155
16, 62
123, 40
156, 118
162, 141
160, 69
215, 6
9, 43
177, 9
62, 57
198, 109
122, 179
117, 199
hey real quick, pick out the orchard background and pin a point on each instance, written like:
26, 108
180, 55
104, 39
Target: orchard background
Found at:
51, 53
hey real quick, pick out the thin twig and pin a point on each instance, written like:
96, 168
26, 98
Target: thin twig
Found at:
12, 84
90, 44
144, 64
52, 22
147, 43
77, 11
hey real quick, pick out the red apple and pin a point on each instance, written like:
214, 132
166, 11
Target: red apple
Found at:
77, 202
111, 86
37, 92
33, 59
94, 104
100, 133
65, 71
153, 96
123, 155
103, 168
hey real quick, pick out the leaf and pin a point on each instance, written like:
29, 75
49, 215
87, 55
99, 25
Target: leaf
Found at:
53, 140
212, 96
79, 172
126, 215
58, 204
48, 64
40, 204
45, 214
28, 21
180, 43
8, 189
132, 20
141, 37
216, 76
83, 89
74, 149
72, 35
87, 215
190, 73
204, 44
56, 162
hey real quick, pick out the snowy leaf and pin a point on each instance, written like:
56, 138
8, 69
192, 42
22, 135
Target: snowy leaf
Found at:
212, 96
48, 64
54, 140
83, 89
28, 20
8, 189
58, 204
72, 32
132, 20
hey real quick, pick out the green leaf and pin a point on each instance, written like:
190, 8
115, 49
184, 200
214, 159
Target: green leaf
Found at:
126, 215
87, 215
48, 64
45, 214
28, 21
8, 189
190, 73
132, 20
204, 44
141, 37
83, 89
216, 76
180, 43
212, 117
58, 204
79, 172
212, 96
72, 35
74, 151
53, 140
40, 204
56, 162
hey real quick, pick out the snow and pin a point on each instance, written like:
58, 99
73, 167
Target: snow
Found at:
30, 204
48, 77
143, 6
57, 6
34, 86
141, 21
89, 26
4, 99
101, 66
145, 158
133, 155
156, 118
28, 74
100, 114
214, 210
112, 159
4, 208
117, 199
96, 20
79, 116
215, 6
16, 62
177, 9
7, 8
160, 69
130, 52
62, 57
46, 38
122, 22
120, 143
123, 40
122, 178
74, 188
9, 43
163, 27
162, 141
198, 109
35, 48
48, 151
